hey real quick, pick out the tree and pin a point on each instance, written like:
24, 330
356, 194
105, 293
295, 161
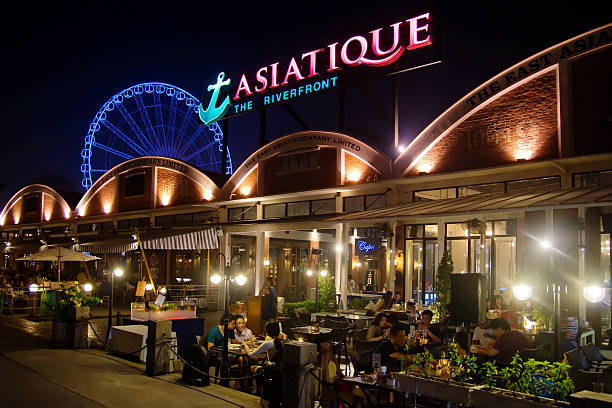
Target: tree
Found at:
443, 284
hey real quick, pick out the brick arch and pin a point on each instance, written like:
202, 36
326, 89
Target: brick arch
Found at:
516, 76
53, 205
378, 162
169, 169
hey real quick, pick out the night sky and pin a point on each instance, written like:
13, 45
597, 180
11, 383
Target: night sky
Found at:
61, 64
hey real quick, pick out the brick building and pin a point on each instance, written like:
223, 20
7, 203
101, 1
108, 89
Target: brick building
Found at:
520, 164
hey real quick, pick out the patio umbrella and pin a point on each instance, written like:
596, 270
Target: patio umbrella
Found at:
60, 255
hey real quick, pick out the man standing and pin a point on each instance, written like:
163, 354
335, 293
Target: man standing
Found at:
507, 344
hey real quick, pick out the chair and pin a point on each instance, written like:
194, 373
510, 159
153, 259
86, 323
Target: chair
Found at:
593, 355
338, 336
582, 372
541, 353
362, 362
335, 322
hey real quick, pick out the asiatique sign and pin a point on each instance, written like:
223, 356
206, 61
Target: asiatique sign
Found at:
317, 70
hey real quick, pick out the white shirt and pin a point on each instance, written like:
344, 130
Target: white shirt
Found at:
479, 335
246, 334
264, 348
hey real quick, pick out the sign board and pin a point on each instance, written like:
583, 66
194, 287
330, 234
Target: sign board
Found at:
314, 71
367, 246
140, 289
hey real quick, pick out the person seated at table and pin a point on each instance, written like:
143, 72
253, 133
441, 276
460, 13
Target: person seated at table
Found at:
432, 331
215, 335
378, 330
412, 312
461, 340
384, 302
241, 332
397, 299
273, 345
393, 350
331, 373
483, 335
507, 344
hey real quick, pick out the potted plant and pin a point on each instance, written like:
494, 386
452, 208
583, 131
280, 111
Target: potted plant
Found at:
447, 379
523, 384
70, 314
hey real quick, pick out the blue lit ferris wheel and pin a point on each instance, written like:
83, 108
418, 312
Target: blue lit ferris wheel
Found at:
150, 119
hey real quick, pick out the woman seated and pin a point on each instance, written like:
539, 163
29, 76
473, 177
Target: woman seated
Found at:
330, 374
384, 302
272, 346
378, 330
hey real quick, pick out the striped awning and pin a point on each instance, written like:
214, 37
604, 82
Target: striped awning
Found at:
192, 240
106, 247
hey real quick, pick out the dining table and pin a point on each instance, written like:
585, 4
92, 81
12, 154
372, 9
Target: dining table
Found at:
312, 334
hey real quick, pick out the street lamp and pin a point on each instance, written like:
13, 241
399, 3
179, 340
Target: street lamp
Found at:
118, 272
594, 293
215, 279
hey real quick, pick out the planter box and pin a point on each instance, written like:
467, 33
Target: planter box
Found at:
79, 314
69, 334
485, 397
433, 388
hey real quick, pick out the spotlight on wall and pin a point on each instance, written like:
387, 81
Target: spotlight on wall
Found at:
87, 288
149, 287
323, 273
594, 293
309, 272
240, 280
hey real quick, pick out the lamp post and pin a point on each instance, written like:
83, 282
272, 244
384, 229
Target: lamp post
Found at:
118, 272
227, 278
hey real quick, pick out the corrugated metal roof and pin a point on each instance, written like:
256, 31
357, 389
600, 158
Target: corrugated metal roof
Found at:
491, 203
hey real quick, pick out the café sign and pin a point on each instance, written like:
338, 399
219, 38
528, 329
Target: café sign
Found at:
316, 70
366, 246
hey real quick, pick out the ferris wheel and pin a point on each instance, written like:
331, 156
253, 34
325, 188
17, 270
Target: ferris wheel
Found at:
150, 119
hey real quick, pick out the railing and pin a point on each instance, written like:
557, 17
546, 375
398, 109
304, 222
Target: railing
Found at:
205, 296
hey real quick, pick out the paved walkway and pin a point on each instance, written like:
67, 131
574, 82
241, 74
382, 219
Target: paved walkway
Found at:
31, 373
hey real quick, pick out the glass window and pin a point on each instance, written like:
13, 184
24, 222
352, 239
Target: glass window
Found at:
123, 224
414, 231
86, 227
313, 160
163, 221
431, 231
597, 178
202, 217
107, 226
134, 185
439, 194
274, 210
32, 203
324, 206
298, 209
505, 227
235, 214
456, 230
375, 201
183, 219
250, 213
352, 204
481, 189
539, 184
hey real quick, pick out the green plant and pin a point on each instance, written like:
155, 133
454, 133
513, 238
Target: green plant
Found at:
68, 298
462, 368
488, 374
289, 309
422, 363
543, 316
443, 283
327, 294
359, 303
562, 384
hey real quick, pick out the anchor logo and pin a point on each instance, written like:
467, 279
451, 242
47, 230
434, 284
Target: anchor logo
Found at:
212, 113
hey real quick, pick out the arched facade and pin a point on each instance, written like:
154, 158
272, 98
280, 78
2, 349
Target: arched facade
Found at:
515, 116
147, 183
33, 204
307, 161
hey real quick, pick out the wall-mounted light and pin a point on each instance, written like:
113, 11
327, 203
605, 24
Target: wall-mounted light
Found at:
106, 208
165, 199
240, 280
216, 279
309, 272
353, 175
87, 287
245, 190
47, 215
207, 195
149, 287
425, 167
33, 288
266, 262
522, 154
323, 273
594, 293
